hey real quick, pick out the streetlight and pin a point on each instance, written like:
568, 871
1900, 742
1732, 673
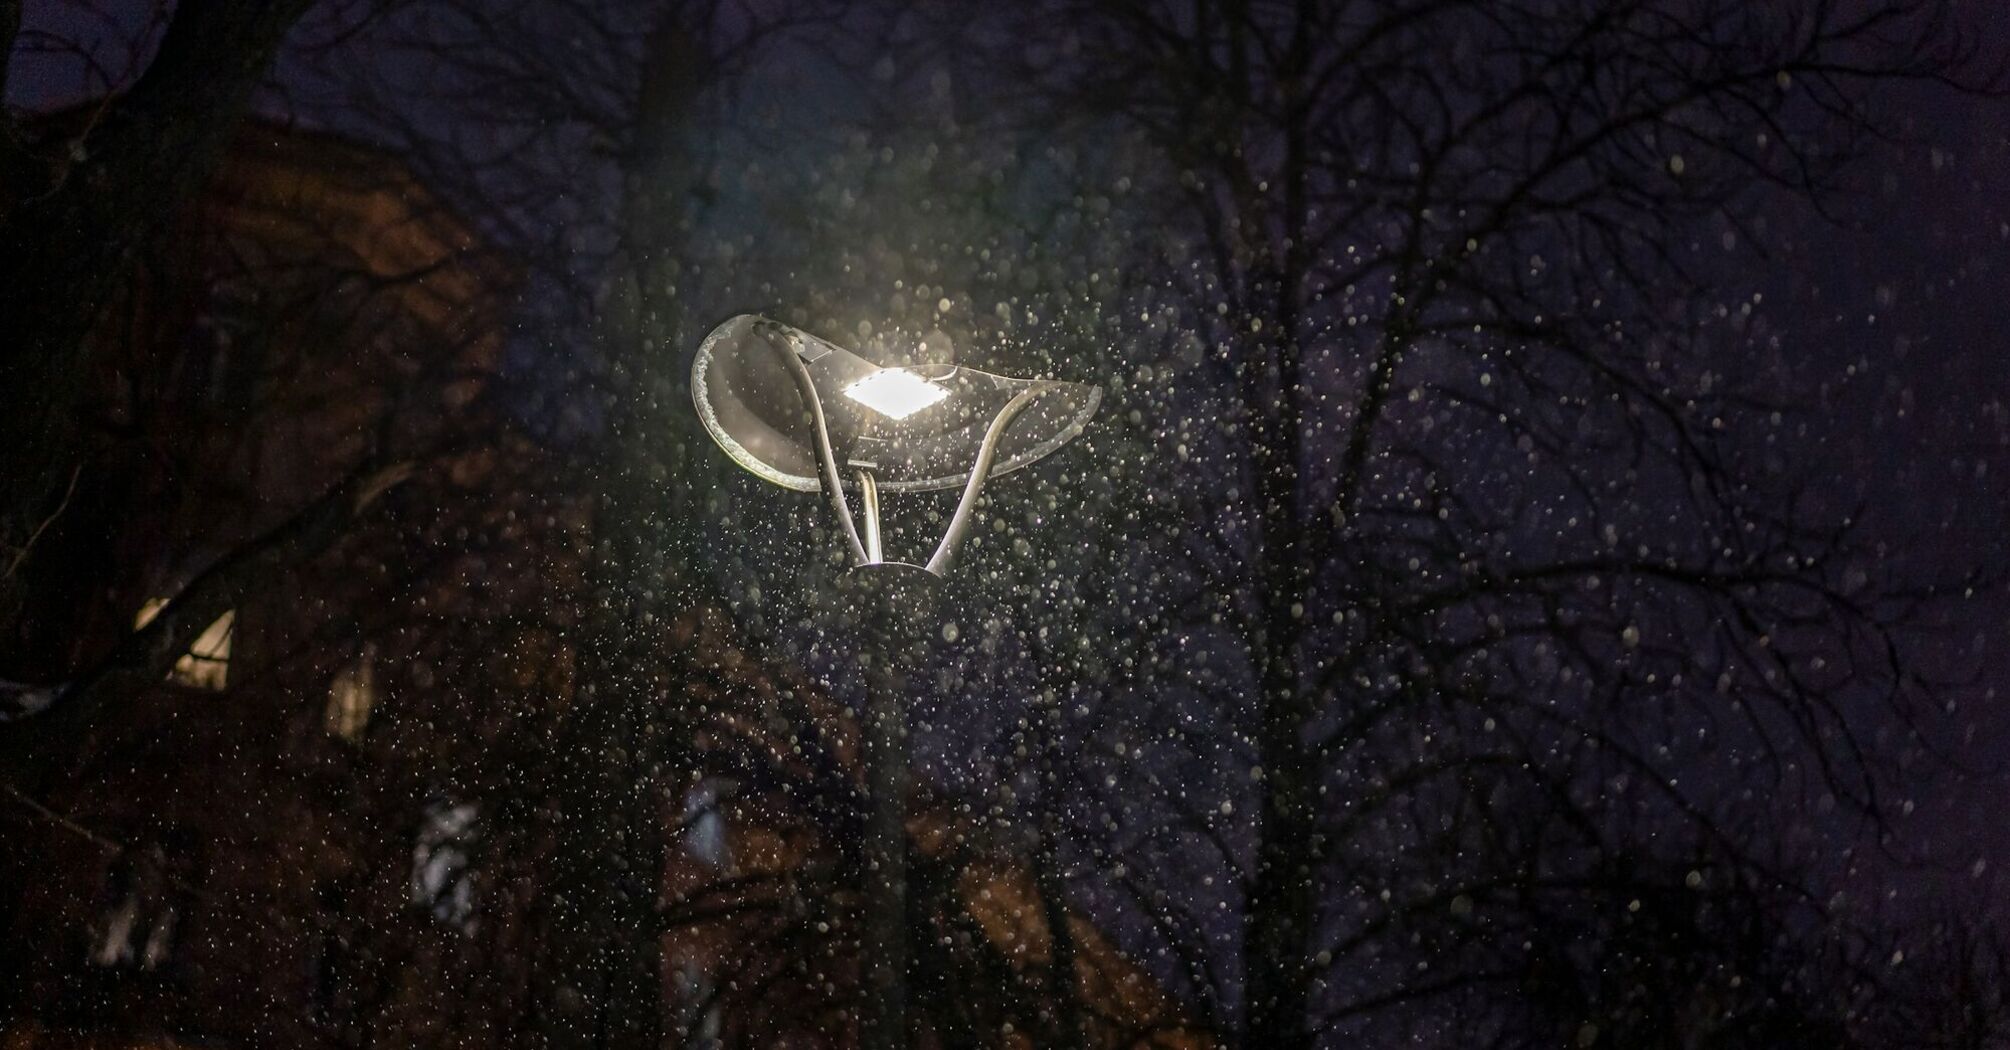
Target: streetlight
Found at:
809, 415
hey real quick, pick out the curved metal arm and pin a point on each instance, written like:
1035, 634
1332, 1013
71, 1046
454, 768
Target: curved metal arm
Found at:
960, 523
832, 484
868, 492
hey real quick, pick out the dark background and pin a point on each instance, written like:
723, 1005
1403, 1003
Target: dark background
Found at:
589, 631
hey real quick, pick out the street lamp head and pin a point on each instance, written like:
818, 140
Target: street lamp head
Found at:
806, 414
918, 428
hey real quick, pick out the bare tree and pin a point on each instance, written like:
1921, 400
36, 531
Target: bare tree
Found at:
1438, 252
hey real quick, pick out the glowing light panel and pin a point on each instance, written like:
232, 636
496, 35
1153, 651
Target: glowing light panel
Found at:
895, 392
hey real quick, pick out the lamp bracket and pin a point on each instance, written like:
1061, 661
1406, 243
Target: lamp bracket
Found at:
866, 551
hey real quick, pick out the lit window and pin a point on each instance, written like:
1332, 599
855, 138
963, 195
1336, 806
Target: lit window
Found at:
698, 1014
441, 880
206, 665
115, 946
137, 932
704, 826
352, 694
895, 392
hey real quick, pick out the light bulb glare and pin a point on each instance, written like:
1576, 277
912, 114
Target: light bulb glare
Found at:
895, 393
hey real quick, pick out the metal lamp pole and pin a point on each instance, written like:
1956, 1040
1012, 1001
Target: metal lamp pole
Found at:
893, 600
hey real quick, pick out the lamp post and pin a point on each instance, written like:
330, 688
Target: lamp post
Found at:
809, 415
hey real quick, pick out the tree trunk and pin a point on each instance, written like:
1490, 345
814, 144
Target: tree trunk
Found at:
602, 979
1281, 911
1064, 989
603, 982
69, 233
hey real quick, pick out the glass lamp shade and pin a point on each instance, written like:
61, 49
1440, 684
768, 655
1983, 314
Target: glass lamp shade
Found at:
916, 429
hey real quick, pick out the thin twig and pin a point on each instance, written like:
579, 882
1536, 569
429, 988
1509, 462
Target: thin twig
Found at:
21, 555
62, 821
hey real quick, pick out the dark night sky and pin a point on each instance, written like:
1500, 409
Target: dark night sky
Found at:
1916, 283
